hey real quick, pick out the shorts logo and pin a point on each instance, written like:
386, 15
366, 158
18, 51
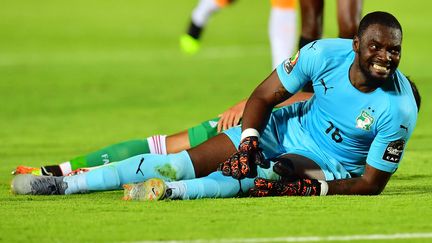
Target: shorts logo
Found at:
364, 121
393, 152
290, 63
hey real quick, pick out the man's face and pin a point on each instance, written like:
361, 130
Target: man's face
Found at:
379, 51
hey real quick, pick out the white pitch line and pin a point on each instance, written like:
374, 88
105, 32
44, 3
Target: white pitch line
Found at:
396, 236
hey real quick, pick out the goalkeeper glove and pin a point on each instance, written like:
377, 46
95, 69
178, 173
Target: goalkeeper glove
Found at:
244, 162
284, 187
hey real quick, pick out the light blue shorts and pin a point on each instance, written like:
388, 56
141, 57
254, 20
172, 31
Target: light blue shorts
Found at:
284, 134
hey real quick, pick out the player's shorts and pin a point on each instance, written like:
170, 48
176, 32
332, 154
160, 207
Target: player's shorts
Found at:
284, 134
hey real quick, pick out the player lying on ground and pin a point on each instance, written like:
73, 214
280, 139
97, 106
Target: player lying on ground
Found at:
348, 139
282, 27
157, 144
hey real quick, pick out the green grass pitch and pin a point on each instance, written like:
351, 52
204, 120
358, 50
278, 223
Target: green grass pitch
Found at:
79, 75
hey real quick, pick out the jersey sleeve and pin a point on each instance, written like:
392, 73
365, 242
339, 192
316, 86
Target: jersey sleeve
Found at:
296, 71
388, 147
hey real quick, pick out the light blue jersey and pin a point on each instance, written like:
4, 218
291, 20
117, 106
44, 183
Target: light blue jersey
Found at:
349, 126
340, 128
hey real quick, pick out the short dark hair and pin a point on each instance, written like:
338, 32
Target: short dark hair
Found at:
378, 17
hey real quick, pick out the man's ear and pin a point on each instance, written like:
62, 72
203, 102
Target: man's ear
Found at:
356, 44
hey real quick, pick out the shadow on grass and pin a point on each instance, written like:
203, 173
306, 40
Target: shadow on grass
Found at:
409, 177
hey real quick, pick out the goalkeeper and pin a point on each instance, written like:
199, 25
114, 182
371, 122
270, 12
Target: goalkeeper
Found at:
348, 139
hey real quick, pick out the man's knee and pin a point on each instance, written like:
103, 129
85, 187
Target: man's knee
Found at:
295, 166
207, 156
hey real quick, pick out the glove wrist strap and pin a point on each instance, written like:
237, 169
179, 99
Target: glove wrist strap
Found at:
249, 132
324, 188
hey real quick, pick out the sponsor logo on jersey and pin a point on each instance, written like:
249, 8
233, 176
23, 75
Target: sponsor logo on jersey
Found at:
290, 63
393, 152
364, 121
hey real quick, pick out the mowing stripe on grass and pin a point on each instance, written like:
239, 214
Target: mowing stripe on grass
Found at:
396, 236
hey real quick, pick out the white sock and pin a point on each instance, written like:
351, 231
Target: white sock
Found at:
157, 144
282, 32
65, 167
178, 189
203, 11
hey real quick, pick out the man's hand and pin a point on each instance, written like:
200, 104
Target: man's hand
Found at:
283, 187
231, 117
244, 162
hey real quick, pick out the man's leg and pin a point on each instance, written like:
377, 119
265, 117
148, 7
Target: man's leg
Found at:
349, 15
282, 30
311, 26
189, 43
157, 144
311, 21
216, 185
203, 160
294, 166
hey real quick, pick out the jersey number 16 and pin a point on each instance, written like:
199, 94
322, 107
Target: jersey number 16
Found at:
336, 134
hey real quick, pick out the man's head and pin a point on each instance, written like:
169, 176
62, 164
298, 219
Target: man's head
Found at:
378, 45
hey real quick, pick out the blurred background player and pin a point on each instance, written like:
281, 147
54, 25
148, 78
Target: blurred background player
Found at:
282, 27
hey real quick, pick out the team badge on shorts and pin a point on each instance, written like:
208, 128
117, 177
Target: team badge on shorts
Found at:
364, 121
393, 152
291, 62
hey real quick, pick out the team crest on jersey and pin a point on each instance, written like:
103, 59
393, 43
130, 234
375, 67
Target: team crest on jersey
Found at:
290, 63
393, 152
364, 121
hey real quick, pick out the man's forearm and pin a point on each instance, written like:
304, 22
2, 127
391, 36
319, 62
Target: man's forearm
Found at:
372, 182
353, 186
256, 114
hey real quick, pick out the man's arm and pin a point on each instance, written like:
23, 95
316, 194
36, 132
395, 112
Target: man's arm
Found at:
261, 102
257, 112
372, 182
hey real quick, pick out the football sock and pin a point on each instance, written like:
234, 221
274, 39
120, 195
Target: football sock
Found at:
203, 11
202, 132
282, 30
157, 144
176, 189
194, 30
120, 151
135, 169
215, 185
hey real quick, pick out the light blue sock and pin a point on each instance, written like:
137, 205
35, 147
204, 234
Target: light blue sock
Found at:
76, 184
135, 169
215, 185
